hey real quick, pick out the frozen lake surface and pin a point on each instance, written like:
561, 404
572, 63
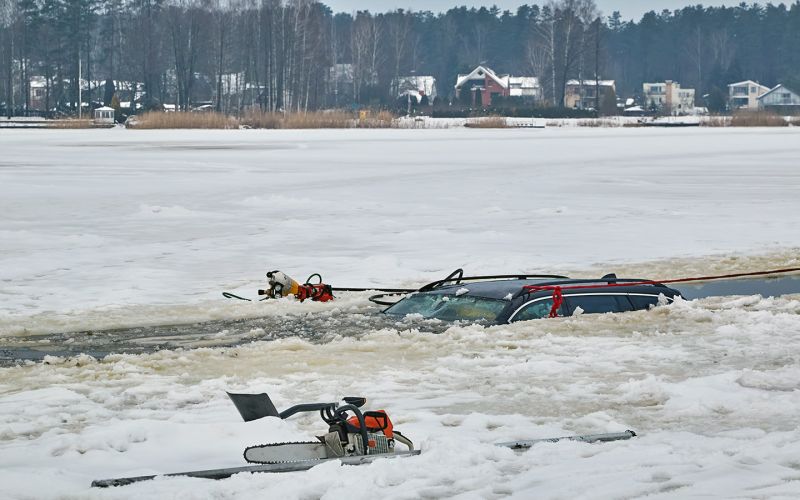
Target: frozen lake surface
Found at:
139, 232
117, 217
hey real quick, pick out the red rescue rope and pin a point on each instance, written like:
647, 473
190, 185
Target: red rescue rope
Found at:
558, 298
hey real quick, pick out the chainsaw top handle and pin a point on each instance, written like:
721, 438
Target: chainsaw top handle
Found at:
305, 407
355, 402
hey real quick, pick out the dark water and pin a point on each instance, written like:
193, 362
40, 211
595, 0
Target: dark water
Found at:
768, 287
316, 327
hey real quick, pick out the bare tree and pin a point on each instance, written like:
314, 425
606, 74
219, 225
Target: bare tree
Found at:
416, 44
695, 52
723, 48
7, 14
586, 11
184, 18
474, 43
399, 33
266, 78
222, 20
570, 15
144, 47
544, 48
366, 42
248, 50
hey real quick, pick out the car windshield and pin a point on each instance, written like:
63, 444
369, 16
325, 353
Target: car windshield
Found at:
449, 307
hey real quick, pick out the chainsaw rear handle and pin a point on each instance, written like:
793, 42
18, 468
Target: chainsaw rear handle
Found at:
355, 401
404, 440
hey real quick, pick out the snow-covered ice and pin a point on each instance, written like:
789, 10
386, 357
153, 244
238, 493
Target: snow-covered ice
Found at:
114, 228
116, 217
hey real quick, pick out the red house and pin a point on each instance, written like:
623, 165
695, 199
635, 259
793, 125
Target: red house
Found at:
482, 85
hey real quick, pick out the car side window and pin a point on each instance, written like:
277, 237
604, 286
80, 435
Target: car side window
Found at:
595, 304
643, 301
536, 310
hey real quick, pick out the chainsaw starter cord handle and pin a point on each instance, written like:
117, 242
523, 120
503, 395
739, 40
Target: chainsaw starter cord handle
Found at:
361, 423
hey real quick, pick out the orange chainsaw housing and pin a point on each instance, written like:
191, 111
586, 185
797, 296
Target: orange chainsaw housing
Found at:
376, 421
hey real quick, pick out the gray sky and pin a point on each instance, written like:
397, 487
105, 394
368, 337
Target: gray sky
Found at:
630, 9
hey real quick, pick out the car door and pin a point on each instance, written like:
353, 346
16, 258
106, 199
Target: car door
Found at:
535, 309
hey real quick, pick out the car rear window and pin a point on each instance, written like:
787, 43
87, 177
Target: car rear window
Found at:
643, 301
449, 307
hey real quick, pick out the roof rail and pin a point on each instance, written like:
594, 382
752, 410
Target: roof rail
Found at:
457, 277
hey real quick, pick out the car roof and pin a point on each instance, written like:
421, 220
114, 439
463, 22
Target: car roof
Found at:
499, 289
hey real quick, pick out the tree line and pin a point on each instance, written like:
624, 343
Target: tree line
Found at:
299, 55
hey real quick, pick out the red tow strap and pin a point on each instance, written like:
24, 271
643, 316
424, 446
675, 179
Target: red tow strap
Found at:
558, 298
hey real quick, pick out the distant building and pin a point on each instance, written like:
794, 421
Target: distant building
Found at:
780, 99
668, 98
482, 85
104, 116
524, 86
634, 111
421, 89
38, 94
45, 96
744, 95
582, 94
341, 78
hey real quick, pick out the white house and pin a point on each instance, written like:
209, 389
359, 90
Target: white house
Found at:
668, 97
104, 116
744, 95
524, 86
780, 99
582, 94
417, 87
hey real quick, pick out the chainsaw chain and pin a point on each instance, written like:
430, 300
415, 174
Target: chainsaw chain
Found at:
270, 445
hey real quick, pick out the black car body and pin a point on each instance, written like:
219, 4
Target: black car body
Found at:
500, 301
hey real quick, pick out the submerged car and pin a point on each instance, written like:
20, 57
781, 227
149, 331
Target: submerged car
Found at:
508, 299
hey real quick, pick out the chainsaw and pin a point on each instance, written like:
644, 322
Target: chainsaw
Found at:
354, 439
368, 433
